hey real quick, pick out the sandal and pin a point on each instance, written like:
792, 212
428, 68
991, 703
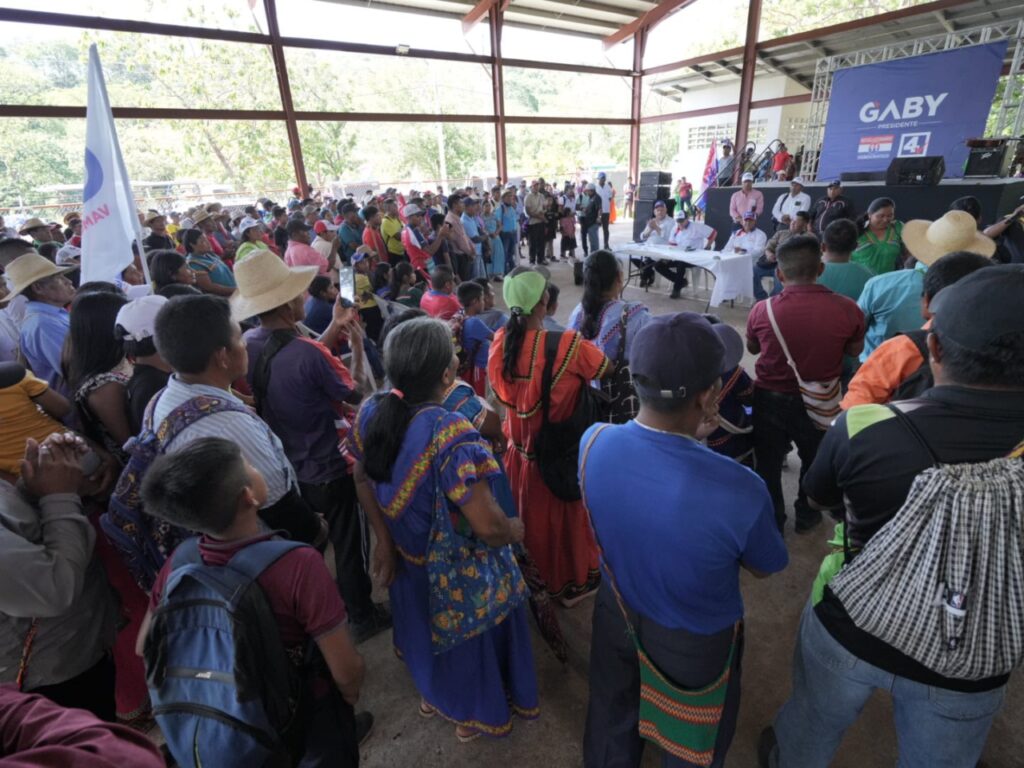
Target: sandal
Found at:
465, 734
426, 711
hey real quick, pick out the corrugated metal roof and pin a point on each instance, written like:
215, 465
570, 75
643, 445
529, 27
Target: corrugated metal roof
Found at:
581, 17
797, 60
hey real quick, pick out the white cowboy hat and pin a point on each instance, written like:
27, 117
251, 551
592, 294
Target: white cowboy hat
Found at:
929, 241
28, 269
265, 283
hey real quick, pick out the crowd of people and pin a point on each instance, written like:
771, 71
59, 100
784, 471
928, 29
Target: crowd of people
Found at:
204, 477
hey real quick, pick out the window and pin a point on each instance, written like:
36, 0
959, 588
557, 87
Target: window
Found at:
701, 136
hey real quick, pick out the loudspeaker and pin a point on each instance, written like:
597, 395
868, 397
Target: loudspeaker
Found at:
862, 176
646, 192
916, 171
643, 211
988, 161
654, 178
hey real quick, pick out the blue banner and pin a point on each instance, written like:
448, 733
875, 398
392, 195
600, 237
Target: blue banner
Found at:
923, 105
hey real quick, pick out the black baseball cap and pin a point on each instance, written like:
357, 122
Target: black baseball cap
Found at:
981, 308
675, 356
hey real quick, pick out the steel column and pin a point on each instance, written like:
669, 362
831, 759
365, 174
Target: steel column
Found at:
277, 53
496, 18
639, 43
747, 81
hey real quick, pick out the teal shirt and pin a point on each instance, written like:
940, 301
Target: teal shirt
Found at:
847, 279
891, 304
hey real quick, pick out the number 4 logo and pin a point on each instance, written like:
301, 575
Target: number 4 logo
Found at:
914, 144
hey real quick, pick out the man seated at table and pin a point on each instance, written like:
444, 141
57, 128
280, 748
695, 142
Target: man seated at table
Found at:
689, 236
766, 265
658, 228
748, 239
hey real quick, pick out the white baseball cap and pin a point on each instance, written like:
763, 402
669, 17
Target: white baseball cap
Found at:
138, 317
411, 210
747, 177
798, 180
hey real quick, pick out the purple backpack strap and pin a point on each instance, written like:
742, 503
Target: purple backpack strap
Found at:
191, 411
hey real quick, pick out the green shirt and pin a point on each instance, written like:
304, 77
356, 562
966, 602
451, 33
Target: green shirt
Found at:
845, 278
880, 255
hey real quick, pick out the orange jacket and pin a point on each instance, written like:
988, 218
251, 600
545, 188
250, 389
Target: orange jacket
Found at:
881, 374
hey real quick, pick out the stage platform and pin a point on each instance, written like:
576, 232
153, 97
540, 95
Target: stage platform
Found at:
997, 196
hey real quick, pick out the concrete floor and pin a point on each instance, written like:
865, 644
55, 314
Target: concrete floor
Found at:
773, 606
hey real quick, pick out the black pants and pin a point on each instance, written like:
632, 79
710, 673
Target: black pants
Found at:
92, 690
779, 419
536, 236
461, 265
674, 271
611, 739
336, 501
373, 320
605, 218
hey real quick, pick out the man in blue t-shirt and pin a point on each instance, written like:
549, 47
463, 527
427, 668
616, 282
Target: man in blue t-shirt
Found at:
675, 523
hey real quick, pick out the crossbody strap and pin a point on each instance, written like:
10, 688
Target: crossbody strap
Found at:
782, 341
551, 343
623, 321
913, 430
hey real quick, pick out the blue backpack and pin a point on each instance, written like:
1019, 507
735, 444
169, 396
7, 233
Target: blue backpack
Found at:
223, 688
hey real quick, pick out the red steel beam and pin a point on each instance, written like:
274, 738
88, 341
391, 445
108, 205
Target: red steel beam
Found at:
560, 67
815, 34
648, 20
476, 13
281, 67
639, 43
782, 101
747, 79
496, 19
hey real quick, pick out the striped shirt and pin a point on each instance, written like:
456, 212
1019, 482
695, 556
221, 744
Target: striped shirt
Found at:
259, 445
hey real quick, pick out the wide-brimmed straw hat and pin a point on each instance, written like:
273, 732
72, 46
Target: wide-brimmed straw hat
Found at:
33, 223
151, 216
265, 283
200, 216
929, 241
28, 269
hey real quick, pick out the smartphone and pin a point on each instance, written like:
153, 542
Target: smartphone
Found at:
347, 284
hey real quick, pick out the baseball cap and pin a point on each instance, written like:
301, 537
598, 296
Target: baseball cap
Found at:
981, 308
747, 177
681, 214
412, 210
591, 187
601, 175
138, 318
835, 183
362, 252
750, 215
523, 290
657, 204
322, 226
247, 223
296, 225
675, 356
798, 180
293, 204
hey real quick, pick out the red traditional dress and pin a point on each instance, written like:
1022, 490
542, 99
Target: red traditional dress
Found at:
558, 535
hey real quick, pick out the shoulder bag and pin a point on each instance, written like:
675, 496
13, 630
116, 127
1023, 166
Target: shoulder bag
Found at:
623, 404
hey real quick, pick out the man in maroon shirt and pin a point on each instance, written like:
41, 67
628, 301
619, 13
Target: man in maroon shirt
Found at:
819, 327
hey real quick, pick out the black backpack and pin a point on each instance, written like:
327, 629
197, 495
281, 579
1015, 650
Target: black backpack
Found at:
623, 404
558, 443
920, 380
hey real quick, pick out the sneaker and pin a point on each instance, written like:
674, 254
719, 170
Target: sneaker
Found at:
767, 748
364, 727
378, 621
674, 295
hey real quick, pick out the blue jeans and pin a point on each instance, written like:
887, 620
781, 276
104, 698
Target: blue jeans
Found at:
761, 273
935, 727
508, 244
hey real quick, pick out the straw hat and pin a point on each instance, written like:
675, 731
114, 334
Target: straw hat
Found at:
151, 216
28, 269
200, 216
72, 216
33, 223
265, 282
929, 241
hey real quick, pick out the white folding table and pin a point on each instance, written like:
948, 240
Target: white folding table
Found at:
733, 272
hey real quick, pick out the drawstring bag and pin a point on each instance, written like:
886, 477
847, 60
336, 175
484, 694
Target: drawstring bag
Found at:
942, 581
821, 398
684, 722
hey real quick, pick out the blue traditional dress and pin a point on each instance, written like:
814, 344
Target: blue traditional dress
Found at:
609, 325
485, 680
497, 266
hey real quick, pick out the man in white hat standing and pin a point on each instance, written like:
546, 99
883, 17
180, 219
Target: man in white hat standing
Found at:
745, 199
606, 192
308, 397
46, 320
790, 203
158, 239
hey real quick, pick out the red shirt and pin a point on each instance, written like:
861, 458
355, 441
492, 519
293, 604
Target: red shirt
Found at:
817, 326
781, 161
373, 239
299, 589
439, 305
412, 241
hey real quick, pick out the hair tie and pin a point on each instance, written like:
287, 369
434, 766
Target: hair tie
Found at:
516, 311
398, 393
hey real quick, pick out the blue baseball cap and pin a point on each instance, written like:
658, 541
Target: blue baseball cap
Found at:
660, 204
835, 183
601, 175
675, 356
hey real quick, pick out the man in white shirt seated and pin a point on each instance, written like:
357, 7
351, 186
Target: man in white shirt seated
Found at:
659, 227
789, 203
688, 236
749, 240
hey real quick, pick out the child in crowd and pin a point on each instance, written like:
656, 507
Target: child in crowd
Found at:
735, 434
550, 324
567, 224
28, 409
491, 317
320, 304
476, 336
381, 279
438, 301
210, 488
365, 298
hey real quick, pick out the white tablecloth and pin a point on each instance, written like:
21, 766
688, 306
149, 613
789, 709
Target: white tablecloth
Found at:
733, 272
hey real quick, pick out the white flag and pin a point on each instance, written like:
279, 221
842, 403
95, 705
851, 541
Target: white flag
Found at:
110, 222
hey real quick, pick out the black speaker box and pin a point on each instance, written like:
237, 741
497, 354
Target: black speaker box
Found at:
988, 161
862, 176
645, 192
916, 171
654, 178
643, 211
